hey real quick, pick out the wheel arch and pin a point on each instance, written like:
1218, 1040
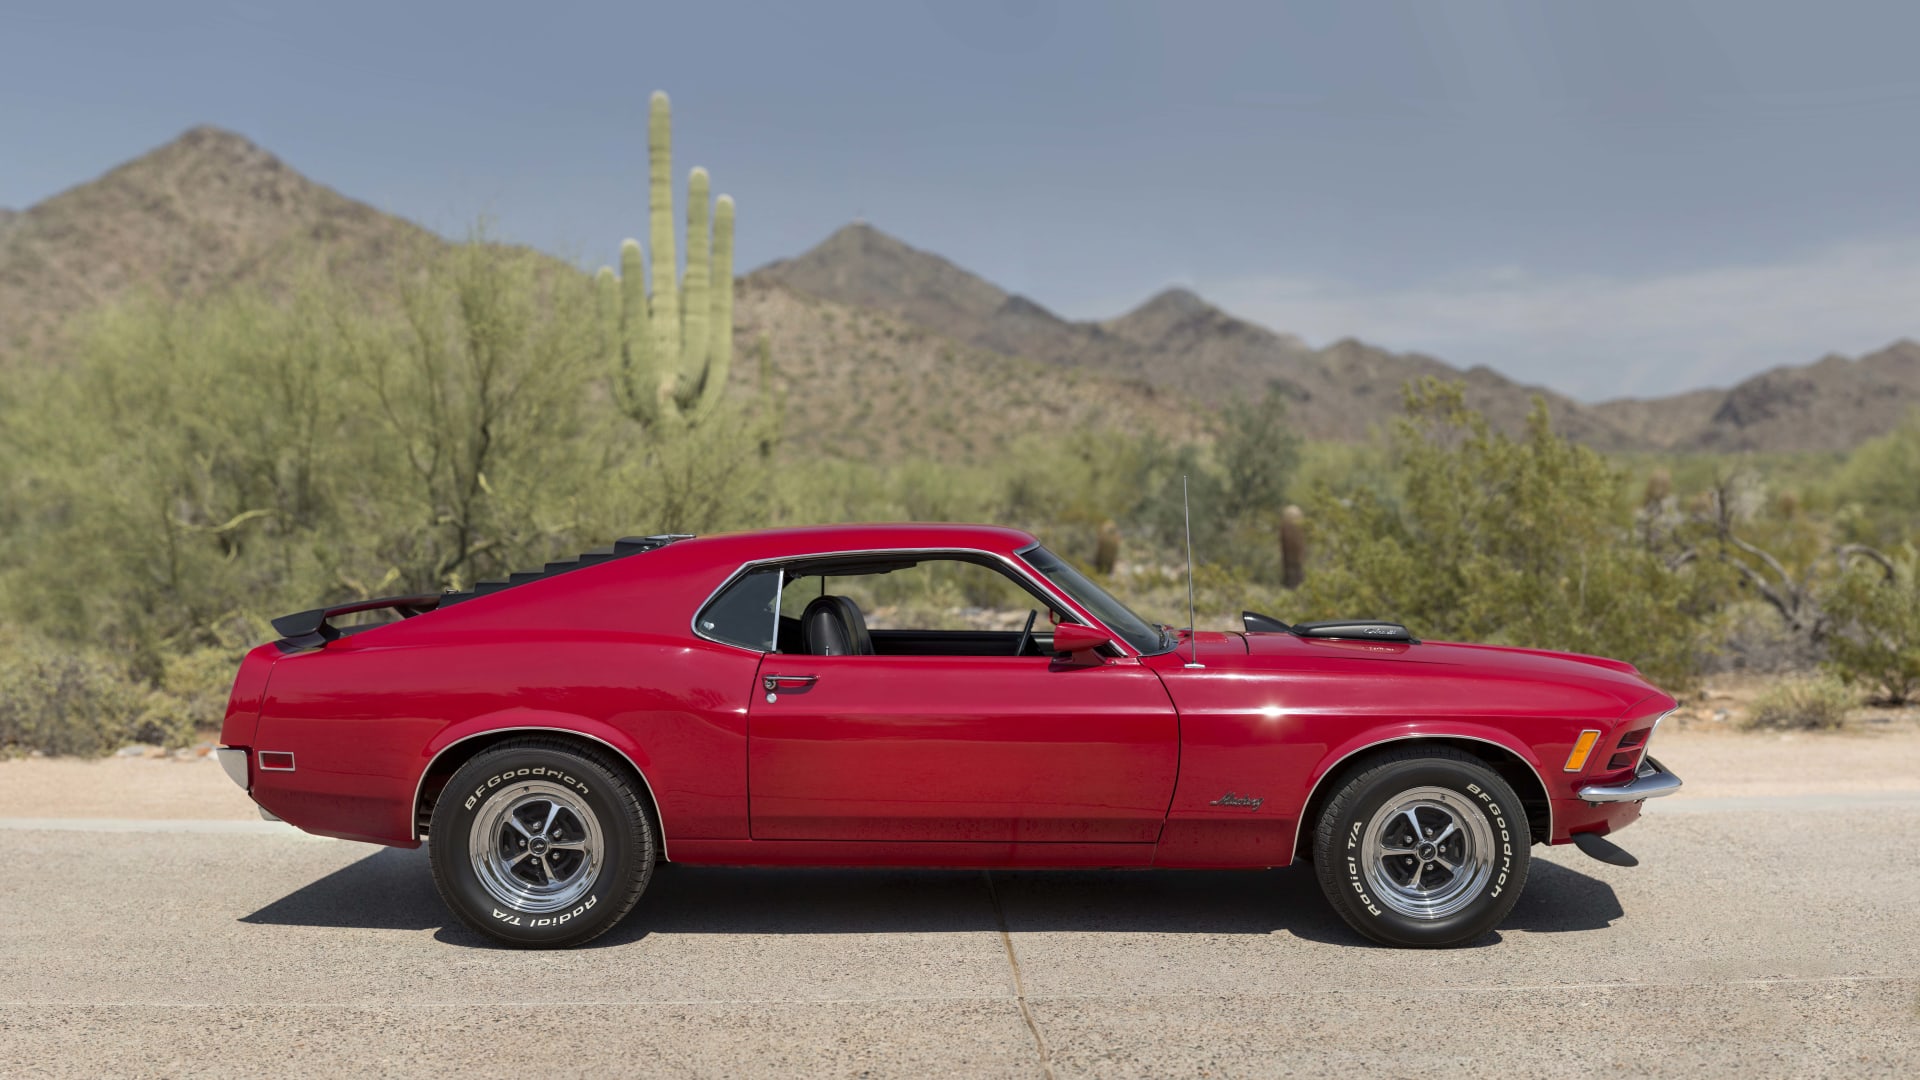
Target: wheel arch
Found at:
457, 751
1521, 774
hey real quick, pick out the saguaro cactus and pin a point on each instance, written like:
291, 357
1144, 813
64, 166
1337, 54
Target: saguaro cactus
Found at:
1293, 547
1106, 549
670, 351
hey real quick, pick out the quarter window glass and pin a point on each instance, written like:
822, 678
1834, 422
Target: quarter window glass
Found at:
743, 615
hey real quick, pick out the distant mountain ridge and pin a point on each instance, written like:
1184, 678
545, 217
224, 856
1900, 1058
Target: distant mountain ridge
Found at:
1832, 404
869, 311
1175, 339
1179, 340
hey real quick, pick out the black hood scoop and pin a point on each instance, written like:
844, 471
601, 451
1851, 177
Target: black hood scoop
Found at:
1348, 629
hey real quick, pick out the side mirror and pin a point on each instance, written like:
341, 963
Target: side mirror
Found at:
1077, 643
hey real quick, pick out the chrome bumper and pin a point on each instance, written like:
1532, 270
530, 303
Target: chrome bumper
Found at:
234, 761
1650, 781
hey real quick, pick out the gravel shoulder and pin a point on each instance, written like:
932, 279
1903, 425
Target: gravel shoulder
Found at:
122, 787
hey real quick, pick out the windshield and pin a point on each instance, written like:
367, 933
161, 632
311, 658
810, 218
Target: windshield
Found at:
1136, 631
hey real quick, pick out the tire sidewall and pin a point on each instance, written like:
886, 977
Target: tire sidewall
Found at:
627, 844
1345, 878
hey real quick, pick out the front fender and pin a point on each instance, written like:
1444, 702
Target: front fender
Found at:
1387, 735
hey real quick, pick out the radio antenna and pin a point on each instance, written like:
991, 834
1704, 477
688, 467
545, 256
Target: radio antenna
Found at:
1193, 640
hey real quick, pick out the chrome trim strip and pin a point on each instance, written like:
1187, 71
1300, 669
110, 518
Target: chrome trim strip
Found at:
1019, 570
1331, 769
233, 761
413, 808
1650, 781
1647, 743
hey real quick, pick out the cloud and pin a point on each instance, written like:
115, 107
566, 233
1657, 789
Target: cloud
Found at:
1600, 337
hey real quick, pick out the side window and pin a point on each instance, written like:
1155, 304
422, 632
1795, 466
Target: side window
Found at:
744, 613
933, 595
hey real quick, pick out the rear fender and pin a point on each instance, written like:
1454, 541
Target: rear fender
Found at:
249, 690
446, 745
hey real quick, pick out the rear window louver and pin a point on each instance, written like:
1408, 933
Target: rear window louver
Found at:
620, 549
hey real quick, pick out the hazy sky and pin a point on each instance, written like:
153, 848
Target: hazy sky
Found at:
1608, 198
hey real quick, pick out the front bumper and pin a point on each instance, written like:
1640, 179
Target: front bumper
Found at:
1650, 781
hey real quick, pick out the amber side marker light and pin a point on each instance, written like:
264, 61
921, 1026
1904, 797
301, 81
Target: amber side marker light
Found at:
275, 760
1582, 747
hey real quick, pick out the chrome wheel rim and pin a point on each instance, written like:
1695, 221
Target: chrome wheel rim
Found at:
1427, 853
536, 846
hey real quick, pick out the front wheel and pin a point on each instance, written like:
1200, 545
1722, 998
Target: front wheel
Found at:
540, 843
1423, 847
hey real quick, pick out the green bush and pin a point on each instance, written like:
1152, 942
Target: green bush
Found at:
1512, 541
62, 700
1878, 488
212, 463
198, 685
1875, 639
1802, 704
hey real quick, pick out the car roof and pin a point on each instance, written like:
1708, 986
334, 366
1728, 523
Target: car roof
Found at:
824, 539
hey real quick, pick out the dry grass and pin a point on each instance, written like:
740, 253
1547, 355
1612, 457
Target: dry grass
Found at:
1802, 703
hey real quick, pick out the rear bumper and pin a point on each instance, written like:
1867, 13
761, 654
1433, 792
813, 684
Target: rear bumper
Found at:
234, 760
1650, 781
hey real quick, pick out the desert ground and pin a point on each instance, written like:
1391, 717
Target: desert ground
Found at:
155, 926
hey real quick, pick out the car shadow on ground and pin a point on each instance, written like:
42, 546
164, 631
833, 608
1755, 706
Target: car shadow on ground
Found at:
393, 889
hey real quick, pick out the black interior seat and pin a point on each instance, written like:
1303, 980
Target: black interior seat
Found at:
833, 626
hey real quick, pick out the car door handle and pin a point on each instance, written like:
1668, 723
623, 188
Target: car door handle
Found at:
775, 683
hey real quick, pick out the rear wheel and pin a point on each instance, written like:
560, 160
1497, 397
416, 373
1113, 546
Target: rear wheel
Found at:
1423, 847
540, 843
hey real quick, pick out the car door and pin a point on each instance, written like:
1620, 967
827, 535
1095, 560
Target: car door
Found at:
1021, 749
918, 748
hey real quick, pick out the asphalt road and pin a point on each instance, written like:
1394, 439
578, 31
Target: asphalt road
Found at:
1759, 937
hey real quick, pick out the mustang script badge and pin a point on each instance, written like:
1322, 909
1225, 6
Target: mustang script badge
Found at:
1251, 802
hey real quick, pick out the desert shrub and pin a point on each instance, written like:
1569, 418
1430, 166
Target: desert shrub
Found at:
211, 463
58, 699
1260, 455
1818, 703
1874, 640
1877, 485
1518, 541
1750, 636
165, 720
197, 684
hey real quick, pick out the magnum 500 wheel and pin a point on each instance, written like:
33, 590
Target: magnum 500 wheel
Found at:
1423, 847
540, 843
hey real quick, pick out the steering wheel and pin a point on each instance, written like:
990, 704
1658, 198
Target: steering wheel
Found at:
1026, 634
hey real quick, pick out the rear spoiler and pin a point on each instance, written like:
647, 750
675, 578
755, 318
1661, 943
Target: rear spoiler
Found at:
1355, 629
312, 629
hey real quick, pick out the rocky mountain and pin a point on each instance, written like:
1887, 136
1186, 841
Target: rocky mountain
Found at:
1830, 405
208, 209
879, 347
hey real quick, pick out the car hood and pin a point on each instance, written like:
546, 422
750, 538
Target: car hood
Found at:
1494, 661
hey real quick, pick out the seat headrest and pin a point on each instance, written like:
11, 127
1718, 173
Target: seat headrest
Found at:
833, 626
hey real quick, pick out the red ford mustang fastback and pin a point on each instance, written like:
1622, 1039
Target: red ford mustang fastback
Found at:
829, 697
